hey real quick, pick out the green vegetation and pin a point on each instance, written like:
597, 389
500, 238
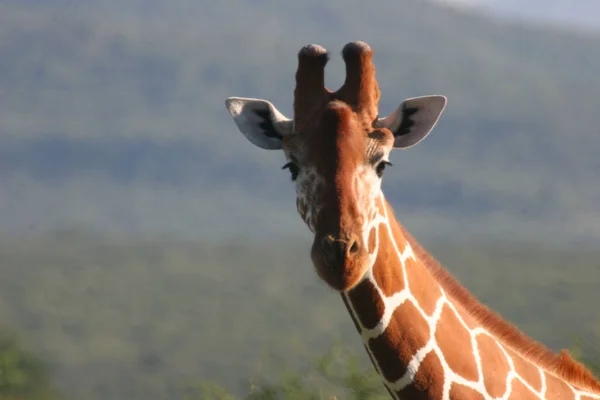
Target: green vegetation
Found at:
119, 317
112, 121
588, 355
337, 375
22, 375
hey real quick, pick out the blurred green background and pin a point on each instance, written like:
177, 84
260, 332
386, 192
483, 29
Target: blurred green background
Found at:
149, 251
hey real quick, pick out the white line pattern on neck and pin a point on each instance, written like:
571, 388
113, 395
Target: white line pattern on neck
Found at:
392, 302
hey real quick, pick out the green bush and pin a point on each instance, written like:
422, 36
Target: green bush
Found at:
590, 357
338, 374
22, 375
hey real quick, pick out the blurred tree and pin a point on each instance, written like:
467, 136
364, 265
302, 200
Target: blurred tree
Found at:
340, 373
590, 357
22, 375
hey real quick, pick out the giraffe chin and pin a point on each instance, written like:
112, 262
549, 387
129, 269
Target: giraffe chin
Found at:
340, 275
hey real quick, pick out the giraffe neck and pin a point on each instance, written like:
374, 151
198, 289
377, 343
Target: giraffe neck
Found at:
426, 345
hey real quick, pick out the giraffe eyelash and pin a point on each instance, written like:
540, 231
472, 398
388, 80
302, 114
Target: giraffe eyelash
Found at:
381, 167
294, 169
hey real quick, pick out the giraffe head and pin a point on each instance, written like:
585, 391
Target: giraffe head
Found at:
337, 148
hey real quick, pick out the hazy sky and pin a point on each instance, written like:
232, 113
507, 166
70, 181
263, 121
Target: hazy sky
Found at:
578, 13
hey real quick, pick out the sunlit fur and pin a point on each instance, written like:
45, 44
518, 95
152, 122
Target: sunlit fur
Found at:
337, 149
562, 364
336, 194
426, 335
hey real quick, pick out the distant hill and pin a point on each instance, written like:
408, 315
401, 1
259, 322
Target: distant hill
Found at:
112, 116
119, 318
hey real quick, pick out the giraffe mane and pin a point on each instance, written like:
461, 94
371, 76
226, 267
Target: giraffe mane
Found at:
561, 365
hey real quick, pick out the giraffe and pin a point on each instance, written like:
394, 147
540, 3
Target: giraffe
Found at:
426, 335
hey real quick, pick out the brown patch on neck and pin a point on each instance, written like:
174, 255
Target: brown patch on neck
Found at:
458, 391
529, 373
561, 365
452, 338
424, 387
372, 240
387, 270
558, 387
422, 286
494, 365
406, 333
522, 392
367, 304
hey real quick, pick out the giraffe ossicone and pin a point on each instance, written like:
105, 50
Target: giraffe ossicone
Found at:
428, 338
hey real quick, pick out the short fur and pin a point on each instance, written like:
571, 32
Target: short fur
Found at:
310, 92
360, 89
562, 365
327, 135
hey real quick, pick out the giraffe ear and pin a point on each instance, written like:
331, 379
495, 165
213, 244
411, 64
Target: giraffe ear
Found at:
413, 119
259, 121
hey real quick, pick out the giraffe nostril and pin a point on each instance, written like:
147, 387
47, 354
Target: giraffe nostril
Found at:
354, 247
327, 245
337, 249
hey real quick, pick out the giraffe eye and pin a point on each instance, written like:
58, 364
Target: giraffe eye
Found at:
381, 167
294, 169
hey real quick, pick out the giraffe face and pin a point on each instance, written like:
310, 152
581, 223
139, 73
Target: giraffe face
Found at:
337, 166
337, 148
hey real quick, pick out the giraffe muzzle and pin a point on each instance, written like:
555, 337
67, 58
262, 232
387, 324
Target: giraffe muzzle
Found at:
338, 250
340, 260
